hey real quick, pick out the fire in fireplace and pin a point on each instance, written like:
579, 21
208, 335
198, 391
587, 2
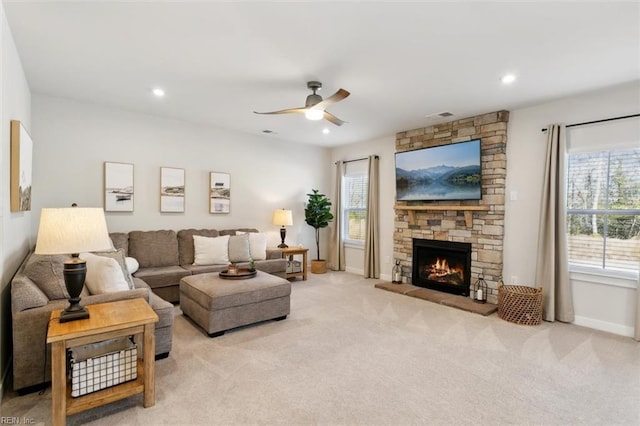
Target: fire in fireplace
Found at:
442, 265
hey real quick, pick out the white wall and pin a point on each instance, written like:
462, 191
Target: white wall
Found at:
72, 141
385, 148
14, 227
609, 307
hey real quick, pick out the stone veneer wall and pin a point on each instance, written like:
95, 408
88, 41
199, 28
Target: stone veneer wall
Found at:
486, 234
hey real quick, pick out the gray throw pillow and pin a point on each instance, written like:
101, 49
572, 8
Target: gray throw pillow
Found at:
239, 248
46, 272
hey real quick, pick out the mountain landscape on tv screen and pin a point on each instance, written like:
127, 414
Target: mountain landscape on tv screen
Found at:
439, 183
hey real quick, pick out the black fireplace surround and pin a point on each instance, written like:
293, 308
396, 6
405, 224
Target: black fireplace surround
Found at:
442, 265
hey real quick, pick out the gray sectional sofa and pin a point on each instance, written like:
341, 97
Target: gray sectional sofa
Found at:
34, 295
164, 258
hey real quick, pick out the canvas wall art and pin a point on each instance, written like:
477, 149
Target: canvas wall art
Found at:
219, 192
118, 187
171, 190
21, 167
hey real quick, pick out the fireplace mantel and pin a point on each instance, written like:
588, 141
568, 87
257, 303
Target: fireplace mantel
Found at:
467, 210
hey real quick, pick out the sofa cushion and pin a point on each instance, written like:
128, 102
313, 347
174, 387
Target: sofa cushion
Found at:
211, 251
239, 248
163, 276
154, 248
161, 307
201, 269
104, 275
120, 240
185, 243
46, 272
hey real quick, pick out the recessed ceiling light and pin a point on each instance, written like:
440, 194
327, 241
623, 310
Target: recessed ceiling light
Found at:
325, 131
508, 78
267, 131
158, 92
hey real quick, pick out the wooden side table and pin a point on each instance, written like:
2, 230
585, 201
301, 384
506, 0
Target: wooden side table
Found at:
291, 251
107, 321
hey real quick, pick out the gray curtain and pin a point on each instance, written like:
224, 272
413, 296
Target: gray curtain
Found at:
552, 269
336, 248
372, 237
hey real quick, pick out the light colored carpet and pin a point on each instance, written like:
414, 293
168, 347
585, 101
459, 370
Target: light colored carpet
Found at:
351, 354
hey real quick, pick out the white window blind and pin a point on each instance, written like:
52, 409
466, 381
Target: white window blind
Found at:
355, 201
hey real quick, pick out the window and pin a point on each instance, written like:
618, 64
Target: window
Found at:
603, 209
355, 192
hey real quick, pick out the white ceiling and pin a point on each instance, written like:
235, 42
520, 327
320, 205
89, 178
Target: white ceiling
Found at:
220, 61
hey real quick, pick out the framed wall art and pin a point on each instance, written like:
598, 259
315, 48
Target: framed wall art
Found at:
118, 187
219, 192
171, 190
21, 166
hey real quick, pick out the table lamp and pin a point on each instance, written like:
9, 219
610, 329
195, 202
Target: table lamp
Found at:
71, 231
282, 218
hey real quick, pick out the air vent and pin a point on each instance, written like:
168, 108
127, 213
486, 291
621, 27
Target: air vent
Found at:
443, 114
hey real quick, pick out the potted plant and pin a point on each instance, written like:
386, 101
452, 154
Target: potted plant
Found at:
317, 214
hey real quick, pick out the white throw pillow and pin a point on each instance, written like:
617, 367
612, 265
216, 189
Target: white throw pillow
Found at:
104, 274
257, 245
211, 251
132, 264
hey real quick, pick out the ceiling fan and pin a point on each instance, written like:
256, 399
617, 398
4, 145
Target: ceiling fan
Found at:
315, 107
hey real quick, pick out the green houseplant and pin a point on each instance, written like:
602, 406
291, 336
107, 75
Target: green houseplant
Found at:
317, 214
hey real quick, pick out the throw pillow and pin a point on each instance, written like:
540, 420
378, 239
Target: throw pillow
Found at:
104, 274
46, 272
211, 251
119, 257
239, 248
132, 264
257, 245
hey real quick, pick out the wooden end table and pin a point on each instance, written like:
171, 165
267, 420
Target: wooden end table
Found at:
106, 321
291, 251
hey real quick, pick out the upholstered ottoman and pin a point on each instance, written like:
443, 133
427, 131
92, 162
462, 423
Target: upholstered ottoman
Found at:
217, 304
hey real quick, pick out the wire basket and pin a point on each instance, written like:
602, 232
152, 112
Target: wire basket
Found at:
520, 304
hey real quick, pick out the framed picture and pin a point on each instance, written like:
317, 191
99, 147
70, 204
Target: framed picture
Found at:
118, 187
171, 190
21, 166
219, 192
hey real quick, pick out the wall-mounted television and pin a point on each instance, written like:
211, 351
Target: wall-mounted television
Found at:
445, 172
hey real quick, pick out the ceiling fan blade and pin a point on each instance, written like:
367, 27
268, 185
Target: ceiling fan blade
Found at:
333, 119
284, 111
338, 96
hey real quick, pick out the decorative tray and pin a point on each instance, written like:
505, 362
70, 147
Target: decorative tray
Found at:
241, 274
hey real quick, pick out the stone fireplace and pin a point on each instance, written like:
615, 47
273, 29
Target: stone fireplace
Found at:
442, 265
479, 224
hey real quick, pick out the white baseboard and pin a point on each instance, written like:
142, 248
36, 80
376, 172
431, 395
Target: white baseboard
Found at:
609, 327
354, 271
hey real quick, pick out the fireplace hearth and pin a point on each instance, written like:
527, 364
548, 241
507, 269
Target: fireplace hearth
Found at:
442, 265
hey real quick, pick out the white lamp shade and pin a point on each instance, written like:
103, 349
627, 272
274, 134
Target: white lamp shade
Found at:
282, 218
72, 230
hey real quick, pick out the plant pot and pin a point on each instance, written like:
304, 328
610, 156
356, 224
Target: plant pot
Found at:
319, 266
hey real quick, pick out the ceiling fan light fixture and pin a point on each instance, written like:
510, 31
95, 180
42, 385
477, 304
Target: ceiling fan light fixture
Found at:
314, 114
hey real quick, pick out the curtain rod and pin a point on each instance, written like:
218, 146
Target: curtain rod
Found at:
600, 121
356, 159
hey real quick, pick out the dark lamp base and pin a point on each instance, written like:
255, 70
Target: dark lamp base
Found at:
283, 245
66, 315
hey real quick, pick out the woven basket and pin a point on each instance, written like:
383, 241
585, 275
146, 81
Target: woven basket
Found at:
520, 304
